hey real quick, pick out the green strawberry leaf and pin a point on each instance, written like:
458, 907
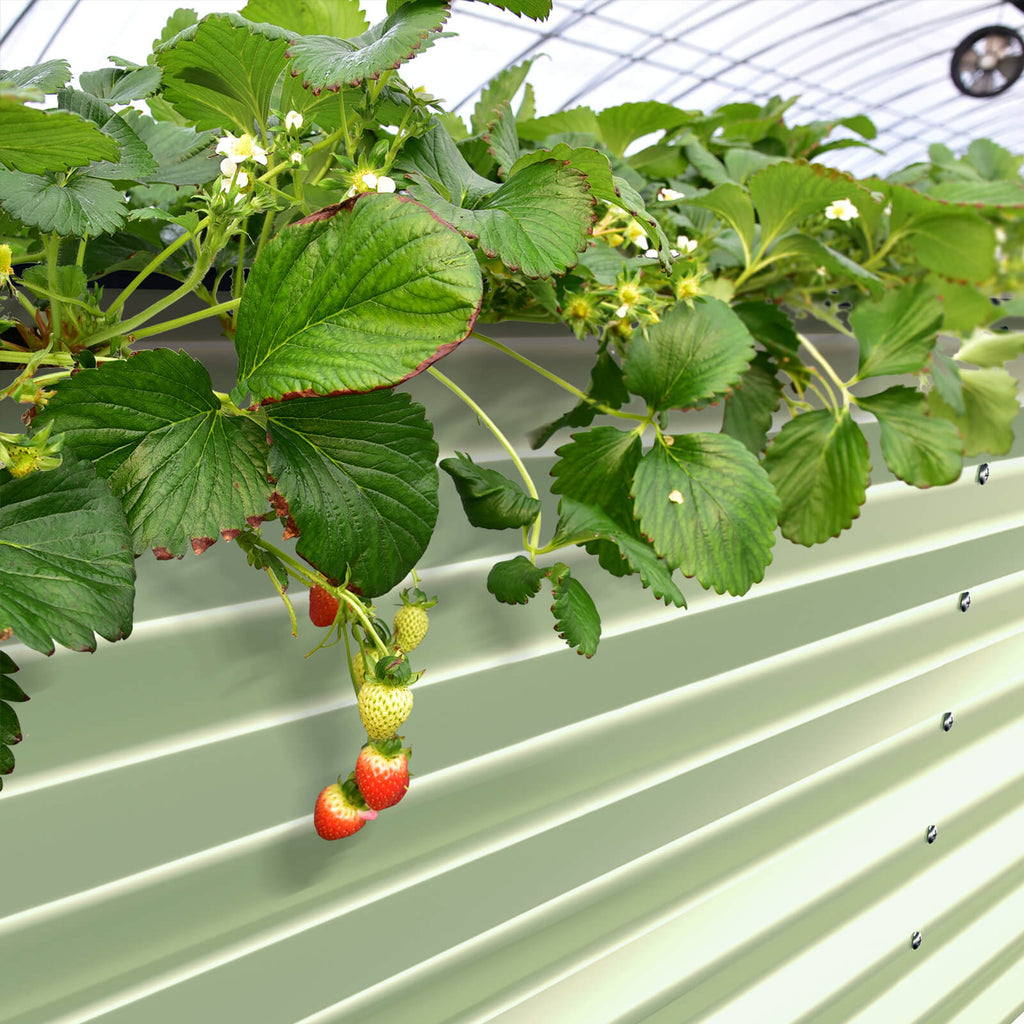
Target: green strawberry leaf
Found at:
748, 410
590, 526
10, 727
986, 349
8, 664
897, 332
501, 138
947, 383
819, 466
325, 62
358, 473
922, 450
576, 120
340, 18
134, 162
10, 690
964, 307
605, 386
121, 85
990, 407
515, 581
958, 244
770, 326
221, 71
806, 247
183, 155
491, 501
538, 221
501, 88
785, 194
48, 77
434, 158
576, 619
36, 141
692, 357
732, 203
596, 467
6, 761
985, 193
538, 10
66, 566
357, 297
184, 471
81, 206
708, 508
625, 123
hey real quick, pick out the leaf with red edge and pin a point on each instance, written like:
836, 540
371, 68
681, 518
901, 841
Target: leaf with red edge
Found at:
357, 297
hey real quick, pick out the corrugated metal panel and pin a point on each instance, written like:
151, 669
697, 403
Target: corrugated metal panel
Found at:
721, 818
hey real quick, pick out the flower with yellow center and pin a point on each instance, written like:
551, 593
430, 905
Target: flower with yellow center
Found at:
688, 287
841, 209
292, 121
240, 149
636, 234
296, 157
6, 265
667, 195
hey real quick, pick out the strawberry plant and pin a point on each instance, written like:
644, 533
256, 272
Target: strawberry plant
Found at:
346, 233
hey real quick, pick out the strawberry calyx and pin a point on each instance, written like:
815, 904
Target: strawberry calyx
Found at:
416, 598
393, 671
353, 797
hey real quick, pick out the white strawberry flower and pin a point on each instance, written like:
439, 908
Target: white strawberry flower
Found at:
296, 157
636, 233
622, 311
666, 195
292, 121
841, 209
240, 180
365, 182
686, 244
240, 149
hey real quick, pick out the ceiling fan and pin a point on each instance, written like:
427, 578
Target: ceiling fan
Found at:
989, 60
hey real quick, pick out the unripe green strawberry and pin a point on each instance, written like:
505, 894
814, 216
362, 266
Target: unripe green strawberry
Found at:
359, 666
410, 627
383, 708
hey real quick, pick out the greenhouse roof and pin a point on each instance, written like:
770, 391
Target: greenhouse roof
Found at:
889, 59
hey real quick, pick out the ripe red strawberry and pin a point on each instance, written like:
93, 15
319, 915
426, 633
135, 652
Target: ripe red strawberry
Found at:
341, 810
382, 773
323, 607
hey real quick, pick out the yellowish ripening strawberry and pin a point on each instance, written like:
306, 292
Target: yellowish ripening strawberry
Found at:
383, 707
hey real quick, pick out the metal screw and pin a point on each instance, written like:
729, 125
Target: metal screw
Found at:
915, 940
983, 472
932, 834
965, 600
947, 721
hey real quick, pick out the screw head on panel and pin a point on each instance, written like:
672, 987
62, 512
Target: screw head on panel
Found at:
947, 721
915, 940
932, 834
983, 472
965, 600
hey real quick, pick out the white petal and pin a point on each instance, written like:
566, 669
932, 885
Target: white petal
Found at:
385, 184
227, 167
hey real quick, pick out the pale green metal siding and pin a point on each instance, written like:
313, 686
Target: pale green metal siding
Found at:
720, 818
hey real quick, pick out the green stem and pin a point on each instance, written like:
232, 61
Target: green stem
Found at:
26, 304
555, 379
80, 257
56, 312
504, 442
191, 318
236, 277
302, 574
128, 326
152, 265
827, 367
348, 661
